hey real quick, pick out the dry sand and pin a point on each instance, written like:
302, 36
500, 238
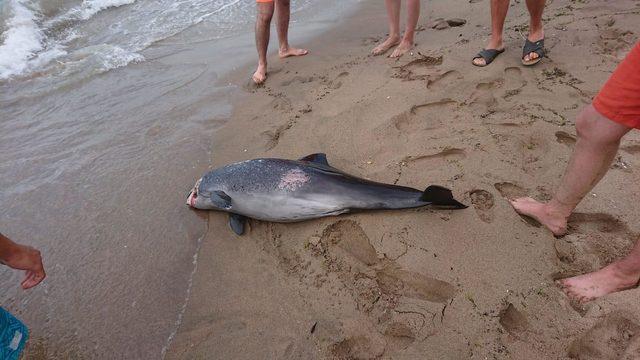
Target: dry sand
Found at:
426, 284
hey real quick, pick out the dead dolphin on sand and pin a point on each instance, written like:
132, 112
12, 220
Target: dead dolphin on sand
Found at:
281, 190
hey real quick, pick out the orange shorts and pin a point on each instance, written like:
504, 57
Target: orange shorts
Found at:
619, 98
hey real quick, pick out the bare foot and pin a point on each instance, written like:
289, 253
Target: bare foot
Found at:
286, 52
587, 287
401, 49
260, 75
493, 44
386, 45
552, 220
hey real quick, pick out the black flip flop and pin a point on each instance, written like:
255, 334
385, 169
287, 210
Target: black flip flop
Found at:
488, 55
532, 47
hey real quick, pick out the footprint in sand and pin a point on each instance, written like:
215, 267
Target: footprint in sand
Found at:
594, 240
350, 238
273, 136
510, 191
444, 80
357, 347
376, 285
281, 103
437, 159
336, 83
513, 320
612, 338
513, 82
398, 282
483, 203
513, 78
418, 69
424, 116
565, 138
615, 42
399, 336
586, 223
298, 79
484, 93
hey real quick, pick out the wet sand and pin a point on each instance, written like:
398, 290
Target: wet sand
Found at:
476, 283
95, 171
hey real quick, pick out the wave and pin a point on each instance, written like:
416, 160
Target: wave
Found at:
23, 38
60, 37
27, 47
92, 7
86, 10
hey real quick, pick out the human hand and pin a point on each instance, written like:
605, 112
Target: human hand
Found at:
26, 258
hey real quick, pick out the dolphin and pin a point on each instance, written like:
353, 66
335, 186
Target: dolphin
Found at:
280, 190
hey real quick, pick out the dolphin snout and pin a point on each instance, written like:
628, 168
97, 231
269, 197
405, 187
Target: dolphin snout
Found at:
193, 195
191, 199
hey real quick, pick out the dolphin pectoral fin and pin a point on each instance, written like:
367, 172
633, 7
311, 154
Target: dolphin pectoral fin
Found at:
336, 212
319, 158
237, 222
441, 196
221, 200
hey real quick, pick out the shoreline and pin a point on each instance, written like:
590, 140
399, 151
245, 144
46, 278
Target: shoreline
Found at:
476, 283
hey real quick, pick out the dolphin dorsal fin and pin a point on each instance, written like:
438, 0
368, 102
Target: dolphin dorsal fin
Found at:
318, 158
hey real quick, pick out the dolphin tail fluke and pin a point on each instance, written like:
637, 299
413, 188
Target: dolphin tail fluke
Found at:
441, 196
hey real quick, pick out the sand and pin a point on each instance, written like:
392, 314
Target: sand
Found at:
425, 284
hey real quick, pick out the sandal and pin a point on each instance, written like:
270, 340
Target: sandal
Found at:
488, 55
532, 47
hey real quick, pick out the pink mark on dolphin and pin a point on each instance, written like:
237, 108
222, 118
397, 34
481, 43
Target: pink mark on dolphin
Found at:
293, 180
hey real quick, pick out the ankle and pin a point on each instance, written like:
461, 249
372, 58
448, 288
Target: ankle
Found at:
407, 39
558, 209
284, 48
495, 42
536, 32
626, 270
394, 37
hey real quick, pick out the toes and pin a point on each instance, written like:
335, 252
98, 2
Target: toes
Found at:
531, 56
258, 78
479, 61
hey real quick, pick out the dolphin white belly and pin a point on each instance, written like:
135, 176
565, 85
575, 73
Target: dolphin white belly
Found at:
282, 207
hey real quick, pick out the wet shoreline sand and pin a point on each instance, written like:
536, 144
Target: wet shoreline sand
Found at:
95, 170
476, 283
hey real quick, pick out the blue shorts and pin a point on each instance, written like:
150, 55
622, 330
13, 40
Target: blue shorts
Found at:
13, 336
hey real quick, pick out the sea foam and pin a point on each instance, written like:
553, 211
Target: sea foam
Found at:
22, 39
